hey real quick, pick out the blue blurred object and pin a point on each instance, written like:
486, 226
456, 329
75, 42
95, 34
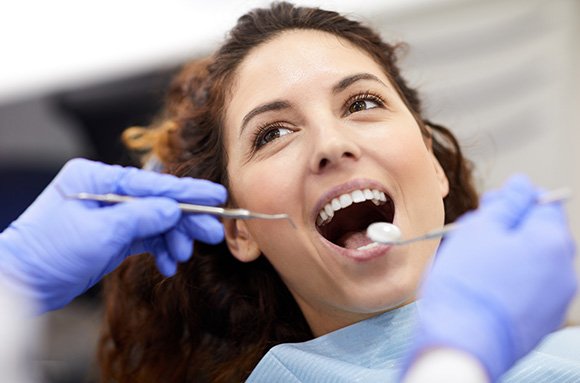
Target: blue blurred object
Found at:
502, 281
59, 247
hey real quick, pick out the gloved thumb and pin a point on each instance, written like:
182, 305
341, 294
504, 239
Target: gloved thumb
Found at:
510, 204
141, 218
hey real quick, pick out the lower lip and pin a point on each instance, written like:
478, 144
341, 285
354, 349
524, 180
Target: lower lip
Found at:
358, 255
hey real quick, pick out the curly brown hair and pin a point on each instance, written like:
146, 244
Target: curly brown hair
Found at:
217, 316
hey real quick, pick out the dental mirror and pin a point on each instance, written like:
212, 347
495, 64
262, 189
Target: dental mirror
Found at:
383, 232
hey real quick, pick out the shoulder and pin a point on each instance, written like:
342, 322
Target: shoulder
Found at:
556, 359
564, 343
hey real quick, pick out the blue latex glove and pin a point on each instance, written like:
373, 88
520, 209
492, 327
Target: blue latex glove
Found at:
60, 247
502, 281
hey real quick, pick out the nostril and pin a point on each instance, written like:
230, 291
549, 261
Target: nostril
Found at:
348, 155
325, 162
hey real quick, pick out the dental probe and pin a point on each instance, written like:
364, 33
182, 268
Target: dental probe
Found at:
389, 234
184, 207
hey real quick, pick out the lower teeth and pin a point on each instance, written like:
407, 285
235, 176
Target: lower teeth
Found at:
369, 246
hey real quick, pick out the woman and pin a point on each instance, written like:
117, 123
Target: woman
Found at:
301, 111
304, 112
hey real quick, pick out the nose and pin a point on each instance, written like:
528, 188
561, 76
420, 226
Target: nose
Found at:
333, 147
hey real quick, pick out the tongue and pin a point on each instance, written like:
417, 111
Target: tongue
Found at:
354, 239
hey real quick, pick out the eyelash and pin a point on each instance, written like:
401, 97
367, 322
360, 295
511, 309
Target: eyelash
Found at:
261, 132
264, 129
365, 96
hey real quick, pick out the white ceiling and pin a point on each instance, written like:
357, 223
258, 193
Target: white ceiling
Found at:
47, 45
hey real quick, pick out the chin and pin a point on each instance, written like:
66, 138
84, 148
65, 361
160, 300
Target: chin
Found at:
380, 301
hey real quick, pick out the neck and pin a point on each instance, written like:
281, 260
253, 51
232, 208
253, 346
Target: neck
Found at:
322, 323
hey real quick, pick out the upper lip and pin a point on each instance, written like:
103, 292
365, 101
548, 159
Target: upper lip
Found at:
347, 187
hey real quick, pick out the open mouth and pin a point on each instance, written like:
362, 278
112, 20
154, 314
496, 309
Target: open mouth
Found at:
344, 220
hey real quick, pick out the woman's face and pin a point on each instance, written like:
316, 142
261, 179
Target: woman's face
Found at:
313, 125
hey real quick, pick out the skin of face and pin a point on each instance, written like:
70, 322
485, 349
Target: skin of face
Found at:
316, 141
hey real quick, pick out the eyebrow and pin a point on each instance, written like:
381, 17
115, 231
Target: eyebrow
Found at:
348, 81
274, 105
281, 104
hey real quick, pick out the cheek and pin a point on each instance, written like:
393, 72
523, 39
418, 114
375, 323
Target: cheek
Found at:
403, 152
264, 187
271, 186
402, 147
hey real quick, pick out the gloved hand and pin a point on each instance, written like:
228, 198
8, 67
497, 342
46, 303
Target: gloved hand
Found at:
60, 247
501, 282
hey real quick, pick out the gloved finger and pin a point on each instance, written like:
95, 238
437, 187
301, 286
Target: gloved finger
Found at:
82, 175
141, 218
137, 182
203, 227
148, 245
547, 226
511, 203
179, 244
547, 230
166, 266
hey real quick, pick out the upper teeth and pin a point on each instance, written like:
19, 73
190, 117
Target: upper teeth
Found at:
327, 212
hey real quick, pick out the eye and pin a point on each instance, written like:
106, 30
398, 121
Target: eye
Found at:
362, 102
270, 133
359, 105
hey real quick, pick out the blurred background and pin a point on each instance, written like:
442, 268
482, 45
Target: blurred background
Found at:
502, 74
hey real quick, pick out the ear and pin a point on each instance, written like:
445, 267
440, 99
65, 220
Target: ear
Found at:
441, 176
439, 172
240, 241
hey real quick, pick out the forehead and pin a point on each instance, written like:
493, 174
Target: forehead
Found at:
295, 59
310, 49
